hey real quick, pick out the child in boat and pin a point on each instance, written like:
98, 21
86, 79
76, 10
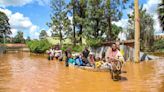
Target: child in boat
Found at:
91, 59
71, 61
98, 63
78, 60
106, 65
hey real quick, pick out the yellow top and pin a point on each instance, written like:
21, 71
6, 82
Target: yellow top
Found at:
98, 64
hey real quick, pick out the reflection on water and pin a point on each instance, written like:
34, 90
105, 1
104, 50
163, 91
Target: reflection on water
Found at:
22, 72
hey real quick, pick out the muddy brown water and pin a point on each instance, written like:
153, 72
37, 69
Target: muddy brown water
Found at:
23, 72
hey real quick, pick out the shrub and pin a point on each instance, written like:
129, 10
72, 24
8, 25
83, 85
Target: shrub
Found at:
159, 45
38, 46
94, 42
77, 48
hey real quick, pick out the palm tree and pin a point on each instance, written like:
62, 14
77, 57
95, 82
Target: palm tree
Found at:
161, 14
4, 25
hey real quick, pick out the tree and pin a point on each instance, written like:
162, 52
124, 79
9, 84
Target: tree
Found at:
28, 38
113, 12
100, 14
146, 27
43, 34
93, 22
4, 25
115, 31
79, 15
19, 37
59, 19
161, 14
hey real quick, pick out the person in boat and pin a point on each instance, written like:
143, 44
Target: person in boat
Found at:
106, 64
78, 60
68, 55
120, 49
98, 62
91, 59
85, 55
71, 61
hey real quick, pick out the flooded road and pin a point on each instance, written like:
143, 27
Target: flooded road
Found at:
22, 72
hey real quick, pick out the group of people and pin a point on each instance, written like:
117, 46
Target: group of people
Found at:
80, 60
87, 58
55, 52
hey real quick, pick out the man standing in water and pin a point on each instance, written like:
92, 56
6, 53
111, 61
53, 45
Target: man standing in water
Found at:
68, 55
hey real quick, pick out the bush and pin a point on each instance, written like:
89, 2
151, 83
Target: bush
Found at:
38, 46
94, 42
159, 45
77, 48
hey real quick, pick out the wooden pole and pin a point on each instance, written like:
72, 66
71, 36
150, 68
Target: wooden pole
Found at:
137, 32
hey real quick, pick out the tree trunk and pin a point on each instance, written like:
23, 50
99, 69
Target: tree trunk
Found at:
74, 32
81, 31
74, 36
61, 39
137, 33
97, 28
4, 39
109, 28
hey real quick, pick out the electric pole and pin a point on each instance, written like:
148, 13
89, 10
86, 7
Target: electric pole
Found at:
137, 32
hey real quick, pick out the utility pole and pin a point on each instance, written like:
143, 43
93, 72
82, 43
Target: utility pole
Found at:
137, 32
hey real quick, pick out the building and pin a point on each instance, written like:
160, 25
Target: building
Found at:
158, 37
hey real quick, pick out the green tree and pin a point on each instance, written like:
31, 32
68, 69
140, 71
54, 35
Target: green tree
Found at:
147, 30
113, 12
4, 25
19, 37
79, 15
43, 34
115, 31
59, 20
28, 38
93, 21
38, 46
100, 14
161, 14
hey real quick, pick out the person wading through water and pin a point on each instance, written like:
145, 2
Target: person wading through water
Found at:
116, 60
68, 55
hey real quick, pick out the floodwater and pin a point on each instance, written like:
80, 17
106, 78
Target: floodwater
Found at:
22, 72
